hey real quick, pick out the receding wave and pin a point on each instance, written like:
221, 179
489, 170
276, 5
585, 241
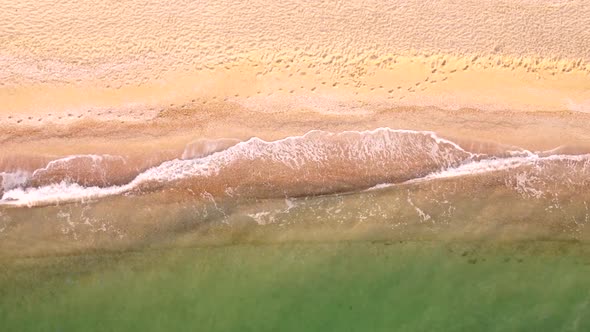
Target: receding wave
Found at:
316, 163
86, 170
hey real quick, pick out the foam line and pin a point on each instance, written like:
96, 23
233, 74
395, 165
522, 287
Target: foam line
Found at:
294, 152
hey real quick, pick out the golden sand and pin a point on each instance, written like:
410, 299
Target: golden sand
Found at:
62, 62
292, 83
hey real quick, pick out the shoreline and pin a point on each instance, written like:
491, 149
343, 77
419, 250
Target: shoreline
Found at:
168, 134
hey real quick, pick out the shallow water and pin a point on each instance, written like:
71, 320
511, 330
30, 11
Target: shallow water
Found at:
351, 286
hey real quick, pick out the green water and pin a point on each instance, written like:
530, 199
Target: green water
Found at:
345, 286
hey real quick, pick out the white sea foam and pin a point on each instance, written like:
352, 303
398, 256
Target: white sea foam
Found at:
11, 180
491, 165
58, 193
479, 167
293, 152
487, 166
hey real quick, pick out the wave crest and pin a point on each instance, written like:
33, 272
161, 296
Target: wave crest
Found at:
318, 162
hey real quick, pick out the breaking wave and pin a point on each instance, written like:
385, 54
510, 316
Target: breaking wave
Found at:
318, 162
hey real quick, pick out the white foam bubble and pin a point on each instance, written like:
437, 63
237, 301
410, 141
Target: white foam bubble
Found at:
11, 180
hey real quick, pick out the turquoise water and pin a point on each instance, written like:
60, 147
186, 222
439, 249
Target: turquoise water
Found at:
340, 286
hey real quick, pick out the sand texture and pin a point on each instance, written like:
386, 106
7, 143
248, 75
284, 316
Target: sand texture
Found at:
61, 62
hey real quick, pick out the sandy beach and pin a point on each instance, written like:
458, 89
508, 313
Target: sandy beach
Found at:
294, 165
70, 61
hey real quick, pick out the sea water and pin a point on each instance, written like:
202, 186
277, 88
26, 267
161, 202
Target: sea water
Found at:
379, 230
